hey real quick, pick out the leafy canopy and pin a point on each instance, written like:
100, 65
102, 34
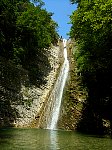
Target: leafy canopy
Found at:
27, 31
92, 31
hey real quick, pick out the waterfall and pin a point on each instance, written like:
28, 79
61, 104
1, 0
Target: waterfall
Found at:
56, 95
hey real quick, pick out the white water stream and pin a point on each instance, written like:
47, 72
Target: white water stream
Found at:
58, 91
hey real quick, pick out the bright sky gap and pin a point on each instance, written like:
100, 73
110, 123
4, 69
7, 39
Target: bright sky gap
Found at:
62, 9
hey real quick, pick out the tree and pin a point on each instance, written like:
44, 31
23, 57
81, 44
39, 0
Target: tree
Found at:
27, 31
91, 28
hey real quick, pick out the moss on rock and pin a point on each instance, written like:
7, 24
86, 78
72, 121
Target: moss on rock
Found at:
73, 96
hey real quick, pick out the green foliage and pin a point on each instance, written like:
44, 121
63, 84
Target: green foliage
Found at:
26, 33
92, 31
35, 25
25, 28
40, 3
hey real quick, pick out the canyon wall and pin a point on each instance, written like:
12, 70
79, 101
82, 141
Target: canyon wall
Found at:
22, 102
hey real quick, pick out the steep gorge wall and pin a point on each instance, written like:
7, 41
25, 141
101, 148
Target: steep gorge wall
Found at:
39, 95
20, 101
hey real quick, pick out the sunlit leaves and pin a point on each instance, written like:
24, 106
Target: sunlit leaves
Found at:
92, 31
25, 26
26, 33
40, 23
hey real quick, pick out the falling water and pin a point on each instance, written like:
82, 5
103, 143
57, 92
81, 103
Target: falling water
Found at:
58, 91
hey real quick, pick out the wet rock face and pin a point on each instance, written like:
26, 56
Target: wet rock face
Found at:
73, 96
20, 100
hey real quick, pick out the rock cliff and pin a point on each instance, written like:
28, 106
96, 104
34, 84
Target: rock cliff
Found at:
22, 102
74, 95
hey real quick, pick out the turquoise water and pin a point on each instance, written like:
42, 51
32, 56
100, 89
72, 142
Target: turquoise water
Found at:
39, 139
